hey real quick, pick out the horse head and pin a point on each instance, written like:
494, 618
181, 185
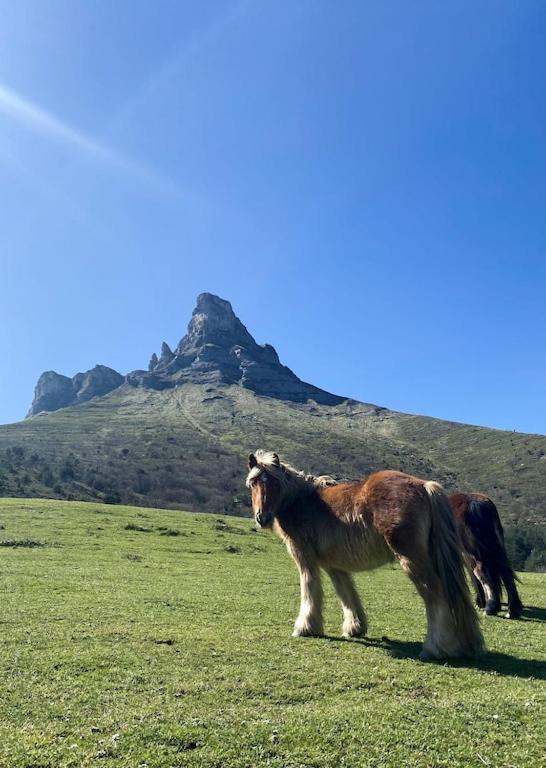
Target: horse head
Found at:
264, 480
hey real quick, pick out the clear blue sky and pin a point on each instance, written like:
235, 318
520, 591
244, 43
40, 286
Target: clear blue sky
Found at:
364, 181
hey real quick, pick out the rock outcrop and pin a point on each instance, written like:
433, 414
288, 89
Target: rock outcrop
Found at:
219, 349
54, 391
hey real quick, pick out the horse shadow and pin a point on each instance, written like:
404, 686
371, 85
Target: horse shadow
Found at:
491, 661
534, 613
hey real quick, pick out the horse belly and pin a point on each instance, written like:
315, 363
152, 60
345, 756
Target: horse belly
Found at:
356, 548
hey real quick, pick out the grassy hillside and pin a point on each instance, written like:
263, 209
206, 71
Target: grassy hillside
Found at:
186, 448
142, 637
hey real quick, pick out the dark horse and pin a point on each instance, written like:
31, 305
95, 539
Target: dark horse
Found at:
349, 527
482, 540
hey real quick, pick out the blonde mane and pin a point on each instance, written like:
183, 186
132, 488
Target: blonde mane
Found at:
288, 476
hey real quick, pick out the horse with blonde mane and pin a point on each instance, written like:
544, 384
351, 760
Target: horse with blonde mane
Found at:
348, 527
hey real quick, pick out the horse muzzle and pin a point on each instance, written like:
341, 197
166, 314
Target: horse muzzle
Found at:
264, 519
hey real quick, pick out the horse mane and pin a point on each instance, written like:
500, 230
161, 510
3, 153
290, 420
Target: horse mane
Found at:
290, 478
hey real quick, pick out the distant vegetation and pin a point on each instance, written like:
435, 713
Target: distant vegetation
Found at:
165, 475
526, 547
116, 481
186, 448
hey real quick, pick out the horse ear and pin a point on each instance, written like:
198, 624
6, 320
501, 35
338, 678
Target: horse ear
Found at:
276, 460
251, 461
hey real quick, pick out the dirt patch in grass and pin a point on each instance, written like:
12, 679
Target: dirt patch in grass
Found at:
136, 527
221, 525
169, 532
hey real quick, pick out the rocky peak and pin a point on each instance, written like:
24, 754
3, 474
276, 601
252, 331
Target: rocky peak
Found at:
54, 391
214, 322
166, 354
219, 349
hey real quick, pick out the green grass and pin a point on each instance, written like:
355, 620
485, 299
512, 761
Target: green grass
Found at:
126, 647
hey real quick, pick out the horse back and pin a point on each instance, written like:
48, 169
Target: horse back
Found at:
382, 500
394, 503
478, 521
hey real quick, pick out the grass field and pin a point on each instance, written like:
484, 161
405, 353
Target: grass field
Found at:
141, 637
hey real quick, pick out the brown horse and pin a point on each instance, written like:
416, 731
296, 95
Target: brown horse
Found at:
350, 527
482, 541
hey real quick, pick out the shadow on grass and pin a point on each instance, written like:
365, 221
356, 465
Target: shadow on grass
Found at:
370, 642
492, 661
534, 613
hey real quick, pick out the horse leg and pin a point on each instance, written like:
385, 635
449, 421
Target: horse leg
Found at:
355, 622
506, 574
515, 606
441, 638
491, 588
480, 594
309, 621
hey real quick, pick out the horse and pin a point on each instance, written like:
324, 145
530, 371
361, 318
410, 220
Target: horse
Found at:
348, 527
482, 541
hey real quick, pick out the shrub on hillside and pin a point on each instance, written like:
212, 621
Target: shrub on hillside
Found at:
526, 547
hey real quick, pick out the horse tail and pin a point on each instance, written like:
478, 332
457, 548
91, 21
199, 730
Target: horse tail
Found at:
448, 564
487, 540
498, 562
501, 545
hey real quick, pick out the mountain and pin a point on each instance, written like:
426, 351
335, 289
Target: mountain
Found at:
177, 433
217, 349
54, 391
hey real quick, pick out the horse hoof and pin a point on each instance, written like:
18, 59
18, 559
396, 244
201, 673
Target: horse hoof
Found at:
356, 630
426, 656
515, 610
305, 632
492, 610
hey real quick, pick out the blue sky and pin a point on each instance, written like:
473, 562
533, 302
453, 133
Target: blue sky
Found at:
364, 182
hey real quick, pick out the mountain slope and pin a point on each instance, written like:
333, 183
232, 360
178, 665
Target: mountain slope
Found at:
177, 435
